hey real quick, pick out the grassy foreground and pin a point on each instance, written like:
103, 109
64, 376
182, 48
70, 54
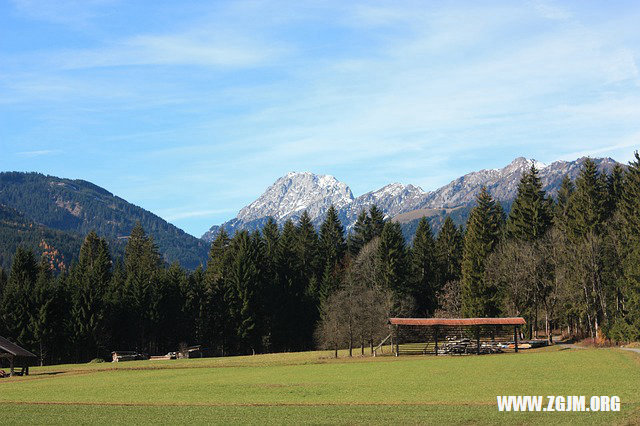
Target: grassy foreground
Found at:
312, 388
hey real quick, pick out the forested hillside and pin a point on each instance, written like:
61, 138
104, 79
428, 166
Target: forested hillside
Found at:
58, 247
569, 265
78, 206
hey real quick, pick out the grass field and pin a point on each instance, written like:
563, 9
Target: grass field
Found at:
310, 387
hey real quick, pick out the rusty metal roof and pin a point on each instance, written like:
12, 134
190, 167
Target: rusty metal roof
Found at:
457, 321
13, 349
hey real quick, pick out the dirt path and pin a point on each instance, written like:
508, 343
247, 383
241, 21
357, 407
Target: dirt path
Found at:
570, 346
631, 349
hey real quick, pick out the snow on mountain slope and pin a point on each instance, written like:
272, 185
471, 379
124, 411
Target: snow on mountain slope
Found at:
294, 193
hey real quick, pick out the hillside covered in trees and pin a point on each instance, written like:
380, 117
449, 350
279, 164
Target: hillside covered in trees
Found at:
77, 206
569, 264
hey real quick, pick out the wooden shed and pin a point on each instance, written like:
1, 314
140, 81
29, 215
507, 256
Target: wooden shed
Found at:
454, 336
16, 357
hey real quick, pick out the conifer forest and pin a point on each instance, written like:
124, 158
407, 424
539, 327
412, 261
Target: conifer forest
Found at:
570, 264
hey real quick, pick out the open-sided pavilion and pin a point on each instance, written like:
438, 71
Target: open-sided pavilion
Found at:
454, 336
16, 357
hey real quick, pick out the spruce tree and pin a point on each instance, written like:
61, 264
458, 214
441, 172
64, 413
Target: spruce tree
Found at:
244, 276
308, 256
142, 264
586, 224
588, 202
449, 252
629, 207
615, 188
45, 323
360, 235
332, 249
307, 250
90, 279
291, 288
214, 317
424, 269
166, 309
376, 223
3, 281
394, 262
531, 213
271, 296
562, 213
479, 297
16, 307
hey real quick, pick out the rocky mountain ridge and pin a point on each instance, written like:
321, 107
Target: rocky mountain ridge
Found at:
295, 192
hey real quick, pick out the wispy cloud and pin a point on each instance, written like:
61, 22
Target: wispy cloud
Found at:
210, 106
172, 49
194, 213
38, 153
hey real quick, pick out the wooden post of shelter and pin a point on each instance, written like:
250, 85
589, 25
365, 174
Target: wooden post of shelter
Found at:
515, 337
395, 329
435, 338
478, 340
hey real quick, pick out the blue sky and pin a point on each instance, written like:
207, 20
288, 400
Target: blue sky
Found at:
192, 109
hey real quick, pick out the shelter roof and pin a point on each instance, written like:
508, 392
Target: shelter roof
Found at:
457, 321
13, 349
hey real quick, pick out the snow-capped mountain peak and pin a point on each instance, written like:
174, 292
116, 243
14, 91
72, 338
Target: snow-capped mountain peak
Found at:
295, 192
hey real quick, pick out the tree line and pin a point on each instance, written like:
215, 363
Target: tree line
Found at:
569, 264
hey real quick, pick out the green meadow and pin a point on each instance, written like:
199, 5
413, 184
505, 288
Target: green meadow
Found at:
311, 387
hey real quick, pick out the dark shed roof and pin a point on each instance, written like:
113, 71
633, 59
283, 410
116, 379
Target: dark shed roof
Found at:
457, 321
13, 349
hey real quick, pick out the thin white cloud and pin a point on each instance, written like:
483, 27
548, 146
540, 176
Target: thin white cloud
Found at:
193, 213
38, 153
171, 49
624, 149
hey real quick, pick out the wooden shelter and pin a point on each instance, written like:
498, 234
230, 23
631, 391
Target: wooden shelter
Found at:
454, 336
16, 357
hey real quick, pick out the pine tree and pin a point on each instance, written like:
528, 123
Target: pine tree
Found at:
308, 257
588, 202
562, 213
270, 237
198, 313
166, 309
629, 327
16, 306
46, 321
449, 252
142, 264
332, 249
3, 281
394, 262
306, 247
479, 297
244, 276
531, 212
586, 224
615, 188
213, 314
290, 290
272, 289
360, 234
376, 223
89, 280
3, 284
424, 269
